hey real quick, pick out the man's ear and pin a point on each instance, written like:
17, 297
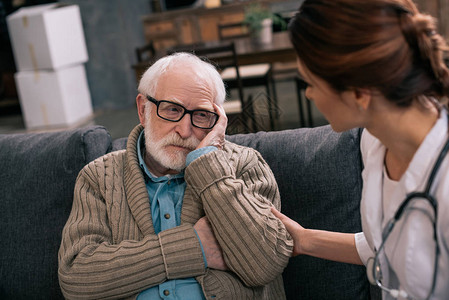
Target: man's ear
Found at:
141, 101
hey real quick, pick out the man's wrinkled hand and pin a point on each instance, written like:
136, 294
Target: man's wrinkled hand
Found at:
211, 248
216, 137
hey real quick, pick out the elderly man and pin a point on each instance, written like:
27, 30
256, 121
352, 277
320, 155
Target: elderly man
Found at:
182, 213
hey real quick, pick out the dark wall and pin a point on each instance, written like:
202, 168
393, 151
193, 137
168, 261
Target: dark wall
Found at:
8, 88
113, 30
7, 63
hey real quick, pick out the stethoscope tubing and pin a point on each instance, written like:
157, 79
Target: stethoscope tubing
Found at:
411, 196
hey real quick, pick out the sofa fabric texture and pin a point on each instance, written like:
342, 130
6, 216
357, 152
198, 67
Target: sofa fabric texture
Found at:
319, 178
38, 173
317, 170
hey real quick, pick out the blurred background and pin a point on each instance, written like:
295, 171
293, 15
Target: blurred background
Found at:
114, 29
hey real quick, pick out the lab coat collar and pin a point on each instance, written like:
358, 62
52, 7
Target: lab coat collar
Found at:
414, 179
418, 171
371, 204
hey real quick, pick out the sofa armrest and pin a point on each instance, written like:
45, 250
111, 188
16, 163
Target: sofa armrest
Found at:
119, 144
38, 172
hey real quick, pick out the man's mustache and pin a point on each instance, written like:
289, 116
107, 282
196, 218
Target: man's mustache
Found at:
175, 140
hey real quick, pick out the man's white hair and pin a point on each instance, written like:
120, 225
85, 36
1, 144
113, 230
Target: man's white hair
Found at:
203, 70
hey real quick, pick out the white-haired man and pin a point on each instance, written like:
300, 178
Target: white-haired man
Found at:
181, 213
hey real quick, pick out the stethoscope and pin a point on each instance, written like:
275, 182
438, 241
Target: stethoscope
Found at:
373, 266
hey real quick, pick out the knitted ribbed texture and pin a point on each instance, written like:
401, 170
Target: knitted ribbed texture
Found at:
109, 248
237, 187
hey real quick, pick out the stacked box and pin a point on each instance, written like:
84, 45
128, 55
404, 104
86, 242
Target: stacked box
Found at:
54, 98
50, 51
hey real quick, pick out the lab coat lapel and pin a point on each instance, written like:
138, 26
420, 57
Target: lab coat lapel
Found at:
371, 204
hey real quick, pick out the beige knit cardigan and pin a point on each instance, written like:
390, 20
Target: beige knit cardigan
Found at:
109, 248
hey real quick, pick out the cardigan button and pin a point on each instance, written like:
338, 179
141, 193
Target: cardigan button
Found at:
167, 216
166, 292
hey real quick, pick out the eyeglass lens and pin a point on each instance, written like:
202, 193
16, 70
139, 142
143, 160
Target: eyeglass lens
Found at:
174, 112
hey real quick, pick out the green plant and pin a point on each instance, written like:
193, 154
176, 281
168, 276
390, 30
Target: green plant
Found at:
256, 13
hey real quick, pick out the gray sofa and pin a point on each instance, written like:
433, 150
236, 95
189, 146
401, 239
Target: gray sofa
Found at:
318, 173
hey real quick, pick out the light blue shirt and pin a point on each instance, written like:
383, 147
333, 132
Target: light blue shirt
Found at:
166, 196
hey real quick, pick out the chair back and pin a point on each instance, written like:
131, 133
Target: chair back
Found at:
229, 31
146, 52
222, 55
252, 75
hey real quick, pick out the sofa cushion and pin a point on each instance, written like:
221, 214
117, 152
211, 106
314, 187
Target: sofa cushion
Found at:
38, 173
319, 176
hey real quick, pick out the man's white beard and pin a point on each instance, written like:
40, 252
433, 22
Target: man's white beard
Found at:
171, 159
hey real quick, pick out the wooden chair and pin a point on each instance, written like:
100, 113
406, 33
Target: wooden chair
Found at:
288, 71
230, 31
145, 57
301, 86
240, 111
251, 75
145, 53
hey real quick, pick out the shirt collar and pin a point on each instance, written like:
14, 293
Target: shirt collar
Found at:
424, 158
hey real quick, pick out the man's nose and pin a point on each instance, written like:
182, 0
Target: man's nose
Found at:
184, 126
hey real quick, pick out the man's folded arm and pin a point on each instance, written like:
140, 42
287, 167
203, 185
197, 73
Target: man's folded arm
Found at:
237, 197
92, 265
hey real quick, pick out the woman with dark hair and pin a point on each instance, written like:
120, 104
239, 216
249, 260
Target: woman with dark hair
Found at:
378, 64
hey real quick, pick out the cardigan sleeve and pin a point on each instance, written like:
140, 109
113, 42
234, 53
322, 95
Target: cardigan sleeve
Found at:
237, 189
93, 265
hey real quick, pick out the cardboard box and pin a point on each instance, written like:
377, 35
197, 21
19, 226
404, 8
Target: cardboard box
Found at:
48, 36
54, 98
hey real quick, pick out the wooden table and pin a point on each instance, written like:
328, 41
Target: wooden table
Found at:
279, 50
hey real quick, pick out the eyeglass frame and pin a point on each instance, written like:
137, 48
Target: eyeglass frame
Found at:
186, 111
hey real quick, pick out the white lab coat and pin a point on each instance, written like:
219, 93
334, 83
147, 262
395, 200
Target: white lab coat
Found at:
408, 260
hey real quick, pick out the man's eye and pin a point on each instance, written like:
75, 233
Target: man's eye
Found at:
173, 109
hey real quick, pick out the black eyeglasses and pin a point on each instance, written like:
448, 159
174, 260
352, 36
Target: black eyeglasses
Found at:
174, 112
